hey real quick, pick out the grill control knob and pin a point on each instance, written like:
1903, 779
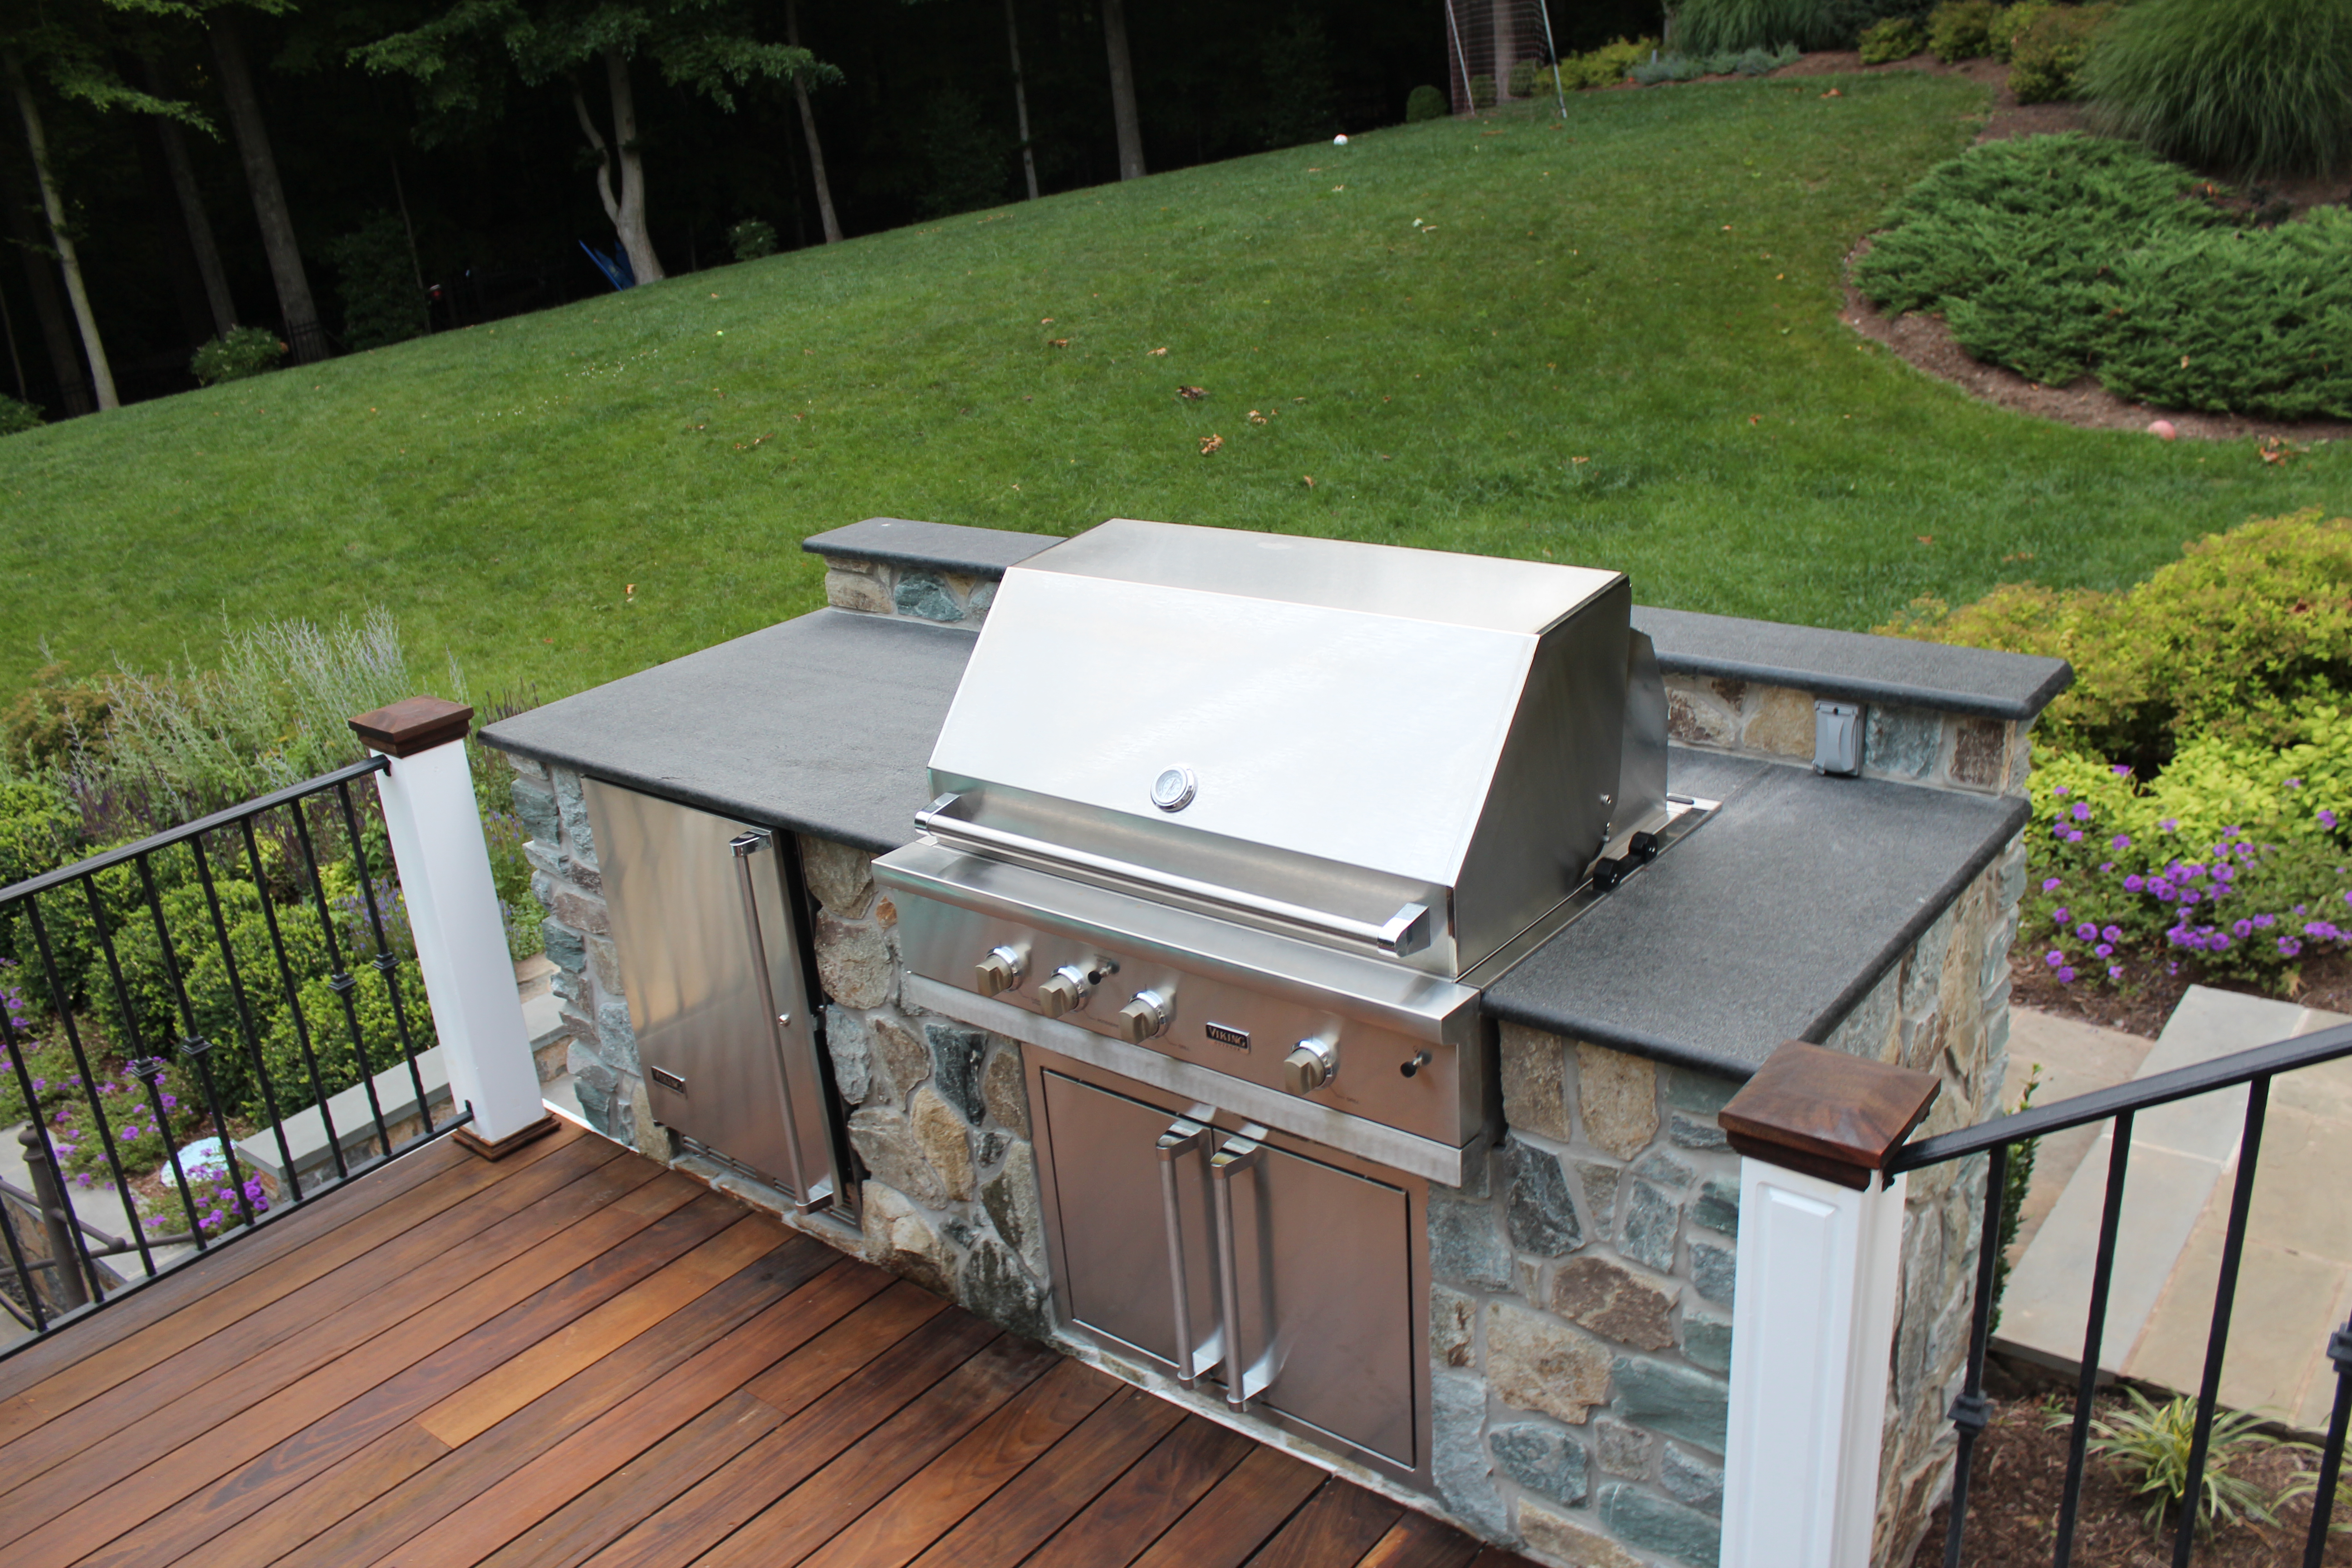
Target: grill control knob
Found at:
1064, 990
1145, 1016
1003, 970
1310, 1065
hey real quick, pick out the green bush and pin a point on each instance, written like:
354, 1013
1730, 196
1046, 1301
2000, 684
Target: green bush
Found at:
2242, 639
1606, 65
2257, 88
16, 417
1891, 38
1523, 79
2061, 254
243, 352
381, 302
1689, 68
2008, 22
1482, 92
751, 239
1962, 29
2049, 51
1423, 103
1729, 27
2152, 1443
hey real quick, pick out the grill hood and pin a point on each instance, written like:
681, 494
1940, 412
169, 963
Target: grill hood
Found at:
1403, 752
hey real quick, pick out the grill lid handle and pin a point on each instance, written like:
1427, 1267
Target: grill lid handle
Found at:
1404, 934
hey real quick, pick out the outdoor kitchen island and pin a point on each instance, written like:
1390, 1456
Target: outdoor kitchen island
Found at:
1544, 1354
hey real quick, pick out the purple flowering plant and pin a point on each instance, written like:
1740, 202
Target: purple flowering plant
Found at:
2231, 862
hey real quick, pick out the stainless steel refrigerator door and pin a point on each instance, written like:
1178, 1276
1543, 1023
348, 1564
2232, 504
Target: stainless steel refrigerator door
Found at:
709, 959
1321, 1304
1113, 1236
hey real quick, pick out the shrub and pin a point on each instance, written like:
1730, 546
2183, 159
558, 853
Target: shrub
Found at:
1728, 26
2049, 50
751, 239
2239, 639
2150, 1443
2000, 36
1606, 65
243, 352
16, 417
1523, 79
1482, 92
1423, 103
2258, 87
2061, 254
1962, 29
382, 301
1891, 38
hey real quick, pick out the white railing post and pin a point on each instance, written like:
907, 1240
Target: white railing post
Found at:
1813, 1300
453, 910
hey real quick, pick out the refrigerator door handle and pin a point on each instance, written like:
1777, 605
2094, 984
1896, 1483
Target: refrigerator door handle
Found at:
746, 845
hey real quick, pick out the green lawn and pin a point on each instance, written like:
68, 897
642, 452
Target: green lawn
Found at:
1614, 342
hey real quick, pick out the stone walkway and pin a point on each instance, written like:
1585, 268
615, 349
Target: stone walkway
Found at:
2295, 1287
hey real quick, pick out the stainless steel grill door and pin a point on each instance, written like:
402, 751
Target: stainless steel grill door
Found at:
1323, 1302
709, 958
1113, 1236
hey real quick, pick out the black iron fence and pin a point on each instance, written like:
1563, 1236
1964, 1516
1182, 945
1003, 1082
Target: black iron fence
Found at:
2253, 1070
227, 981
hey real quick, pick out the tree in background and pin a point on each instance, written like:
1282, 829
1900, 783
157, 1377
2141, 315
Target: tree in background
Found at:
801, 81
68, 47
303, 333
182, 172
460, 61
1123, 90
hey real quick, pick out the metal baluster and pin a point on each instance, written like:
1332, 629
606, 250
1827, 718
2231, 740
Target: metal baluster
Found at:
293, 1000
245, 1018
1970, 1412
2331, 1454
31, 1135
2233, 1245
387, 963
59, 994
340, 982
2095, 1331
193, 1046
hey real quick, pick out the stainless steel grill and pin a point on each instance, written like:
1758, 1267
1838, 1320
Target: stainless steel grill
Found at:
1230, 830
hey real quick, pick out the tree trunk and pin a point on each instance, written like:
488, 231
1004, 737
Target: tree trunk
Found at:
101, 375
15, 360
1021, 99
627, 209
303, 332
177, 256
808, 129
191, 210
1123, 90
64, 365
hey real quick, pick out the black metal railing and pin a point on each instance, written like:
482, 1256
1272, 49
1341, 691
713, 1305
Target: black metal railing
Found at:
200, 982
1970, 1412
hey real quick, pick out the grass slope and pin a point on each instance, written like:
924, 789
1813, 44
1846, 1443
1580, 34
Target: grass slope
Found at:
1613, 342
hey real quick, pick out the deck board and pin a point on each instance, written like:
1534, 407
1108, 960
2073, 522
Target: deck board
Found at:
576, 1357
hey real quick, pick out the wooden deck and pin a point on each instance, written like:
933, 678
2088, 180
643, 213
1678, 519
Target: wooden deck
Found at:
578, 1357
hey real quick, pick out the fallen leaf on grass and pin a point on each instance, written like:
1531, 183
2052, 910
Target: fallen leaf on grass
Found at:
1045, 320
1159, 353
1209, 444
1256, 418
1580, 459
1925, 538
1833, 93
1756, 419
1309, 479
1058, 343
1191, 393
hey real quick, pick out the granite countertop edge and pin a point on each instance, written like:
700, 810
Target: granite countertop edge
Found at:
1681, 1053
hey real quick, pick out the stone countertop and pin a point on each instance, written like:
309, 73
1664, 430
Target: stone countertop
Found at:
822, 725
1767, 923
1851, 667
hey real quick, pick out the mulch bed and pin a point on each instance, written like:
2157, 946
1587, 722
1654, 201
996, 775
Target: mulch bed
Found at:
2020, 1474
2147, 995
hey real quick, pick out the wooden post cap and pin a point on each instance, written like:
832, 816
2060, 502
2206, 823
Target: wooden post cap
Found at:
1826, 1113
413, 724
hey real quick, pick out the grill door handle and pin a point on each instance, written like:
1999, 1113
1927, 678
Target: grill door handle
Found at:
1184, 1136
1404, 934
745, 846
1239, 1154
